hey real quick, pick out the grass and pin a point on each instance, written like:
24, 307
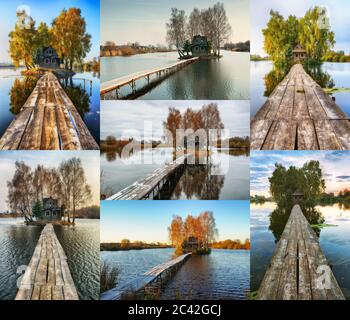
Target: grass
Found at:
109, 277
252, 295
323, 225
336, 90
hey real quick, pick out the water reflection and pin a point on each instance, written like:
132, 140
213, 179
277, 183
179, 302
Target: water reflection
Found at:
20, 91
17, 244
280, 216
277, 74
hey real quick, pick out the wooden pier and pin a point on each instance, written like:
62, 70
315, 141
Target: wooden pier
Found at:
298, 266
48, 121
47, 276
149, 187
300, 115
115, 84
153, 277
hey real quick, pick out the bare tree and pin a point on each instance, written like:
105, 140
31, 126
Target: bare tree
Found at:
194, 23
176, 29
172, 123
21, 194
38, 182
81, 191
220, 25
53, 184
211, 120
67, 181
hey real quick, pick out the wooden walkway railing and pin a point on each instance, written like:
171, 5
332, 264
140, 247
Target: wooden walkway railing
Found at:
115, 84
48, 121
152, 184
300, 115
47, 276
298, 269
149, 277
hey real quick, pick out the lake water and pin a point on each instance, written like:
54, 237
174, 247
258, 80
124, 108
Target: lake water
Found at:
207, 79
339, 73
334, 241
81, 244
230, 181
224, 274
87, 101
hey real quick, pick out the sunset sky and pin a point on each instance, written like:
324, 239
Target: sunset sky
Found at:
46, 11
335, 167
144, 21
90, 161
338, 12
149, 220
127, 118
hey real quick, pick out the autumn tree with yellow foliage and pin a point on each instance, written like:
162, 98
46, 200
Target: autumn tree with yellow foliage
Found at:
67, 36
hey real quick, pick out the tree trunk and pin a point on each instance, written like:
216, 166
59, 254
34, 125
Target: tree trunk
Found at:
73, 213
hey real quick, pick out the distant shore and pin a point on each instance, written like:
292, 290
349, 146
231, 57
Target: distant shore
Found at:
124, 51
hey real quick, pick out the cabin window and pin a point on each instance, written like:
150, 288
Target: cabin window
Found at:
47, 213
47, 60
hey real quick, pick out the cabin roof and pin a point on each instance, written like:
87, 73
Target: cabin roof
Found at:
299, 49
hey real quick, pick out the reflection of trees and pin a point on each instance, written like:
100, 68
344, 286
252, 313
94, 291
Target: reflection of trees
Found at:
20, 91
344, 205
198, 182
323, 78
280, 216
276, 75
79, 96
273, 78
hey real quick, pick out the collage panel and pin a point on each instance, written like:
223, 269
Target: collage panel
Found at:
300, 225
49, 225
172, 150
49, 76
175, 250
299, 76
197, 50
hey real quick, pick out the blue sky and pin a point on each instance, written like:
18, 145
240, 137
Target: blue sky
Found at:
335, 166
144, 21
148, 220
46, 11
131, 115
90, 161
338, 11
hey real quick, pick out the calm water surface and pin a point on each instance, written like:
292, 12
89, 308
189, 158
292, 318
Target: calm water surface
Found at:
339, 72
213, 79
82, 246
15, 89
334, 241
226, 176
224, 274
17, 244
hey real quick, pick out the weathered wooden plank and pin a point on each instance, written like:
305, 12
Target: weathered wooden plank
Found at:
48, 121
326, 136
306, 136
281, 135
48, 276
294, 269
299, 98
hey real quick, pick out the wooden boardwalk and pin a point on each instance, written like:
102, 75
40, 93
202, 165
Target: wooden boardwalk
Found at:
152, 184
297, 266
116, 84
47, 276
300, 115
48, 121
149, 277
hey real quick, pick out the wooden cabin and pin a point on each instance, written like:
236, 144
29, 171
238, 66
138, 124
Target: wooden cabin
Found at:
51, 210
298, 196
47, 57
191, 244
299, 53
200, 46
